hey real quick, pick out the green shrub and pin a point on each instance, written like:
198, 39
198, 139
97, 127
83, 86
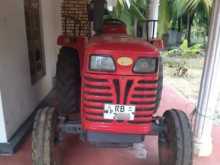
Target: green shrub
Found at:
184, 50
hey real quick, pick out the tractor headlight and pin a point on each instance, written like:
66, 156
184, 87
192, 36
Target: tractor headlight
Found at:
102, 63
145, 65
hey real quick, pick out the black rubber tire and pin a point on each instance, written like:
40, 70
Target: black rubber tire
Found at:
175, 142
68, 81
160, 84
43, 137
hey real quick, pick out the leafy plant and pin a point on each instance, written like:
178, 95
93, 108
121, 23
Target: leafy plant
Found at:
184, 50
190, 51
129, 13
174, 14
194, 13
183, 14
164, 18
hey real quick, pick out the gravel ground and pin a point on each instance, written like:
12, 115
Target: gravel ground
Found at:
189, 84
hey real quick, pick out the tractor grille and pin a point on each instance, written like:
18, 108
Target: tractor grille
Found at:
126, 91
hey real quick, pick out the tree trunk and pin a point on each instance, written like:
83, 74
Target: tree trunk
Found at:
179, 22
190, 18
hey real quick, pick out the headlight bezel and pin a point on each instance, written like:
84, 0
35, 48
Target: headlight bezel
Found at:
101, 69
147, 72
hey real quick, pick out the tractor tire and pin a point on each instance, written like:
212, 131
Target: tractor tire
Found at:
160, 84
175, 141
68, 81
43, 138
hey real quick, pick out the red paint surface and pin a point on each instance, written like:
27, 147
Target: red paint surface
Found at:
110, 29
144, 125
116, 46
121, 43
79, 153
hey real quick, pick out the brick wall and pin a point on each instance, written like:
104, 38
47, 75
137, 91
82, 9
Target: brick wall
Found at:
75, 9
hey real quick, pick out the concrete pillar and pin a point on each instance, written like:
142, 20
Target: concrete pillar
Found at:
209, 89
3, 137
112, 2
153, 15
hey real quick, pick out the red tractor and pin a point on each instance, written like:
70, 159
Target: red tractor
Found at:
115, 83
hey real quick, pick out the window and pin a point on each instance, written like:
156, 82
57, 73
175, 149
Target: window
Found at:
35, 40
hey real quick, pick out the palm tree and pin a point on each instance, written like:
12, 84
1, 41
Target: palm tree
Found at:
201, 9
187, 10
173, 13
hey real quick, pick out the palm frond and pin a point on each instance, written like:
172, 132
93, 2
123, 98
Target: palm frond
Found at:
164, 18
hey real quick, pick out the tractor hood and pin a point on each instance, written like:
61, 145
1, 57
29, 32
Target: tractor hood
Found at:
113, 44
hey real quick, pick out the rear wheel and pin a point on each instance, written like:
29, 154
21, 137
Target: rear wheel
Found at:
44, 150
68, 81
175, 141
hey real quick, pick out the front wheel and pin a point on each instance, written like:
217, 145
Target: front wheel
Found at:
44, 150
175, 141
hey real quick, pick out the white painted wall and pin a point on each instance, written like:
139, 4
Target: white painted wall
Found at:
19, 97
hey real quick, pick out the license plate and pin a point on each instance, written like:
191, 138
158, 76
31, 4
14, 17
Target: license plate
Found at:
119, 112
